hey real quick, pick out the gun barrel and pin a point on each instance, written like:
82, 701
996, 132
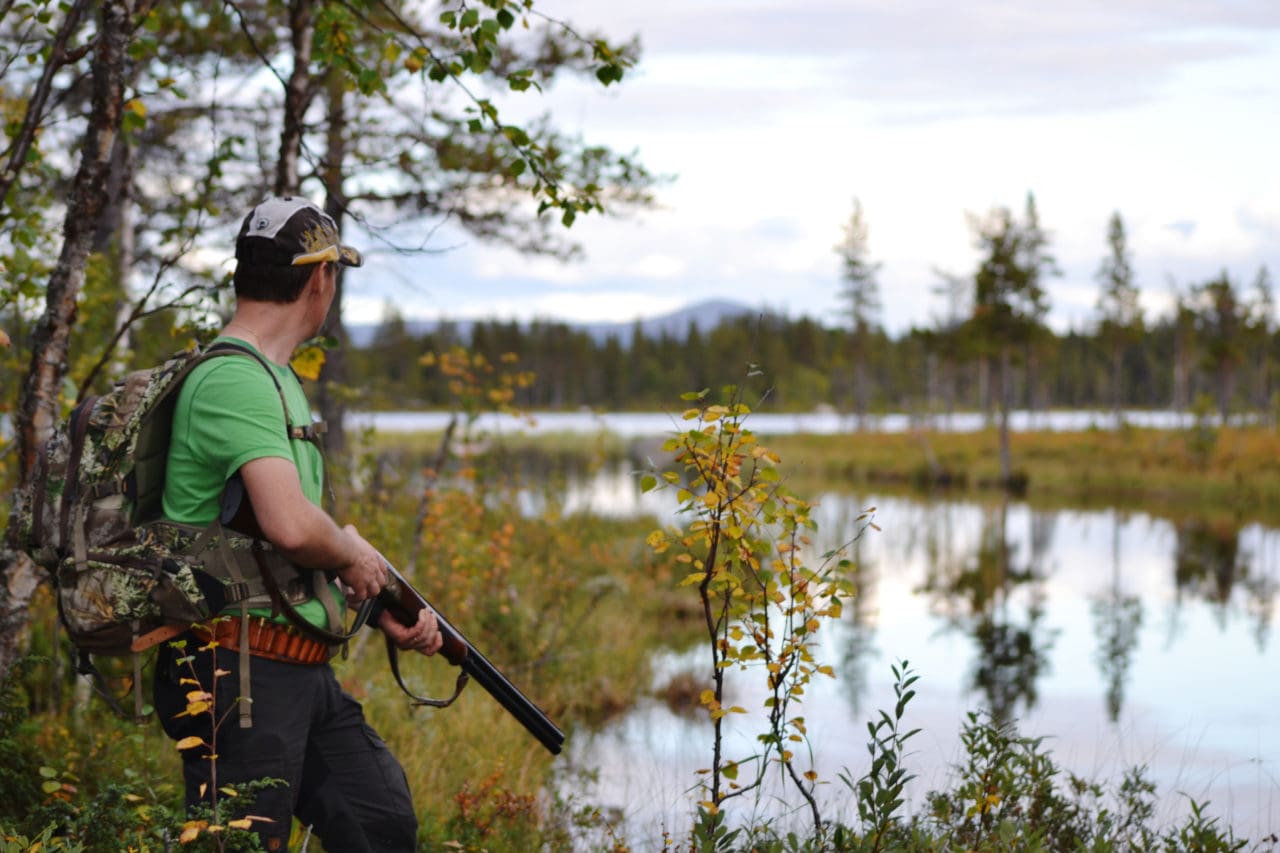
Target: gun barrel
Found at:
404, 602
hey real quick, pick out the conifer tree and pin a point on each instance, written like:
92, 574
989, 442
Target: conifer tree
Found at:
860, 294
1119, 311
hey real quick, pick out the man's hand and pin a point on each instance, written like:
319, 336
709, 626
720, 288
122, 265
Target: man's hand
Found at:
366, 574
423, 637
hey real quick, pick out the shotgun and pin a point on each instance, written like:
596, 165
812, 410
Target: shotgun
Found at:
404, 602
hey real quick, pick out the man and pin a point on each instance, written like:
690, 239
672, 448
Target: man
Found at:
230, 420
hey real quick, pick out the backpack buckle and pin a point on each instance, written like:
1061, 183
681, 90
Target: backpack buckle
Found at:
106, 489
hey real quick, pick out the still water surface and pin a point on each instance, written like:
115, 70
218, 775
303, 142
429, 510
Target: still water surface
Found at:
1121, 638
648, 424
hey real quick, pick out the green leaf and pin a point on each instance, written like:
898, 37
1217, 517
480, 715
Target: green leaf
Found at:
370, 81
516, 135
506, 19
51, 787
48, 773
648, 483
470, 18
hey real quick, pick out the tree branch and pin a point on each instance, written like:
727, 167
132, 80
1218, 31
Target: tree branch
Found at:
34, 115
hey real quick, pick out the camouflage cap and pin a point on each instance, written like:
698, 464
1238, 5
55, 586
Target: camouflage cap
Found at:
292, 231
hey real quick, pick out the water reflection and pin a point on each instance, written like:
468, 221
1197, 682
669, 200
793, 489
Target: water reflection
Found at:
1117, 617
1125, 639
996, 597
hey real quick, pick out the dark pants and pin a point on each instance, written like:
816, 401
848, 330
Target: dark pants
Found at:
340, 777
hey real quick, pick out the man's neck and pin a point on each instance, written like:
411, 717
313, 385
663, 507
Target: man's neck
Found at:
270, 328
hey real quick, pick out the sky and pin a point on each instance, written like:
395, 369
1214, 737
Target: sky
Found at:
772, 116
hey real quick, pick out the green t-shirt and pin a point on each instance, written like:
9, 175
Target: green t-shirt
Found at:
228, 413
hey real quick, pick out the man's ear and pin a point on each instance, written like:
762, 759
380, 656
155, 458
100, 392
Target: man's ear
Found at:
316, 280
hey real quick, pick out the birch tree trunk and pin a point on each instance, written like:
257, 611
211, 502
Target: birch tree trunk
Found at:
297, 96
39, 404
333, 407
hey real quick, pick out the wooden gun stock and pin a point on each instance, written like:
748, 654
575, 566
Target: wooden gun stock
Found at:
404, 602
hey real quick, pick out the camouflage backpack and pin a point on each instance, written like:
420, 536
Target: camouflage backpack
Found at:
87, 517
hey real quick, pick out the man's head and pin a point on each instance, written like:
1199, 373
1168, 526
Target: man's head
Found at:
281, 242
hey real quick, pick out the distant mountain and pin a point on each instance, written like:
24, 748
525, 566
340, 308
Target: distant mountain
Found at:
707, 315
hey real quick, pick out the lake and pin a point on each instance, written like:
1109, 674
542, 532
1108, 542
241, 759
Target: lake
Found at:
1122, 638
649, 424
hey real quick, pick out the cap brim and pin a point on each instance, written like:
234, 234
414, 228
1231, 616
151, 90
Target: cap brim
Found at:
344, 255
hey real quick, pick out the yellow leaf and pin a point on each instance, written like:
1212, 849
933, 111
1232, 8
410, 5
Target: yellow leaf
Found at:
737, 709
190, 742
308, 361
695, 577
191, 830
136, 107
708, 696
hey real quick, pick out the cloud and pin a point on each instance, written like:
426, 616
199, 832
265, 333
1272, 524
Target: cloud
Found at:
774, 115
920, 59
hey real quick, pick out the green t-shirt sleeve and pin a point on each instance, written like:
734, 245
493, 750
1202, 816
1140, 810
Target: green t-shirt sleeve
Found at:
228, 413
236, 415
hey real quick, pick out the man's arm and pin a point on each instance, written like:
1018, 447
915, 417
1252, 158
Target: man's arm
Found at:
304, 532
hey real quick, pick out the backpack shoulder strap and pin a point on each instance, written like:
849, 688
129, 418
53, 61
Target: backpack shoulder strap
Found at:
146, 485
79, 426
310, 432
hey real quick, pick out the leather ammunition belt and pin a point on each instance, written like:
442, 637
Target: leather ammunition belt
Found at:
267, 639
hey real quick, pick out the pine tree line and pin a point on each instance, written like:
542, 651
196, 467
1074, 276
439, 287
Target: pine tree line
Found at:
1218, 346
